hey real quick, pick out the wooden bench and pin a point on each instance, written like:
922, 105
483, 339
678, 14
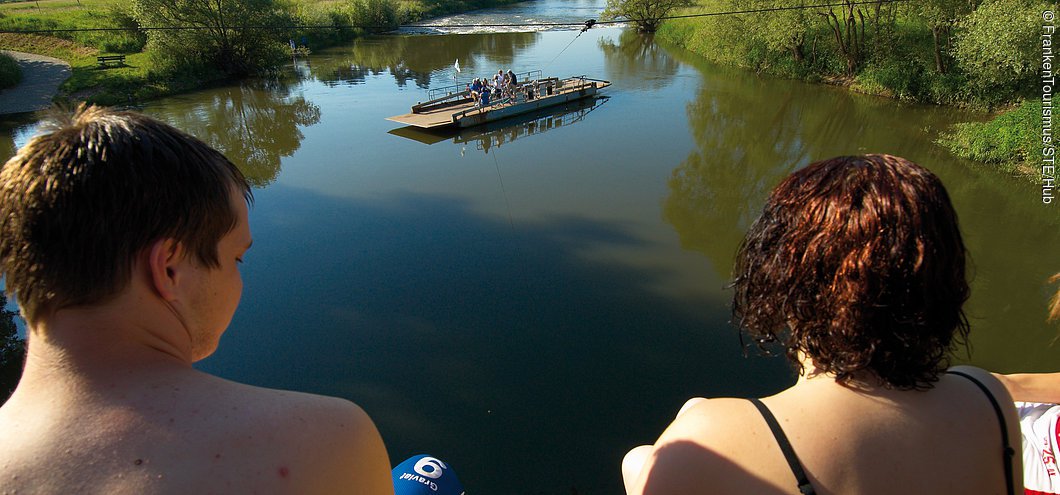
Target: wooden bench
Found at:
110, 60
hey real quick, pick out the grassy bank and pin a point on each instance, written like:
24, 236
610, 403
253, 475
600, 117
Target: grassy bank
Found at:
1010, 140
147, 75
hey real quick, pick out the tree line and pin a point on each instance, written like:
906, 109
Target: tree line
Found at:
942, 51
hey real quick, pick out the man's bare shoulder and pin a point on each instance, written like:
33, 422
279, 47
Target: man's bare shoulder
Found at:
327, 442
197, 434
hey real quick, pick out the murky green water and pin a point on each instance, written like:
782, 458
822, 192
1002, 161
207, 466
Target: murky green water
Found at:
530, 302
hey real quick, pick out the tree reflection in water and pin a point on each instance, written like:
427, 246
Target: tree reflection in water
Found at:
414, 58
748, 137
254, 124
12, 351
636, 62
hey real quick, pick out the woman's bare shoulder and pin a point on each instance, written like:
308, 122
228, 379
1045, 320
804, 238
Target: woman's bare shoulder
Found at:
706, 445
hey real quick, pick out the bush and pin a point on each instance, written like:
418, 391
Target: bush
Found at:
10, 72
898, 78
1010, 138
375, 15
131, 40
335, 19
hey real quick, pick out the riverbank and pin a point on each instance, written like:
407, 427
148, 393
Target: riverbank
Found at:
145, 75
907, 53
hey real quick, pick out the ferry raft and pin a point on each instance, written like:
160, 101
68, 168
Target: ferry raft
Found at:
452, 106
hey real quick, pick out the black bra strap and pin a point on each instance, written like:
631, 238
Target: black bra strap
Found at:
1007, 450
785, 446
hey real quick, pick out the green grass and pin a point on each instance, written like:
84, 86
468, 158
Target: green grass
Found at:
10, 72
1011, 139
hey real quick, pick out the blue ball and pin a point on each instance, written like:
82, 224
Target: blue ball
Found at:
425, 475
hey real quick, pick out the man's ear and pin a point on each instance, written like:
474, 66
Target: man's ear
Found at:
163, 260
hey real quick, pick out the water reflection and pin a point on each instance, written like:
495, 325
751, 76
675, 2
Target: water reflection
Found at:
16, 130
416, 58
254, 124
636, 62
12, 351
749, 133
496, 134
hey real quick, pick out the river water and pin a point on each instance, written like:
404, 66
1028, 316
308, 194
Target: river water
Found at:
529, 301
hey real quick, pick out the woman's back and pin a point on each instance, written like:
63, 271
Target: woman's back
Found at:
856, 269
850, 441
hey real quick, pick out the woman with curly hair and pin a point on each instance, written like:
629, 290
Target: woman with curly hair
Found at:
856, 269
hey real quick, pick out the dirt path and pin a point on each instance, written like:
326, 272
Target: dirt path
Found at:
41, 77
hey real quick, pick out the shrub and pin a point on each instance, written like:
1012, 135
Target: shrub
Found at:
901, 79
10, 72
375, 15
1010, 138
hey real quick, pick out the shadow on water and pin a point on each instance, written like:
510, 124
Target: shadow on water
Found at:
496, 349
415, 58
254, 123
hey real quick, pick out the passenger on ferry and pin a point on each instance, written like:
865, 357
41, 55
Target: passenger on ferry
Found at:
484, 98
498, 80
856, 269
475, 88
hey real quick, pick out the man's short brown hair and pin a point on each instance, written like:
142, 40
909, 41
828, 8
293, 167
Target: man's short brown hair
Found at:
857, 262
80, 202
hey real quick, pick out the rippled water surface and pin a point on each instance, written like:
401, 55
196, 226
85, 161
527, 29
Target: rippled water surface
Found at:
529, 300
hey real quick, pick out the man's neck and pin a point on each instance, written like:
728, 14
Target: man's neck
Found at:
107, 340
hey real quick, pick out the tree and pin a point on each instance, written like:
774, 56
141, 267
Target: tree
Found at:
848, 37
941, 16
647, 15
236, 37
998, 43
783, 30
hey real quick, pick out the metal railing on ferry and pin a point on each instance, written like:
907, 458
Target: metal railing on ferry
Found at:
541, 87
436, 93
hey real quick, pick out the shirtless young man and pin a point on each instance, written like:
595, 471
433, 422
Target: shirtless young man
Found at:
121, 237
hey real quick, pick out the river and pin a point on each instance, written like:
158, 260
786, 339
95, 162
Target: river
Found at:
530, 302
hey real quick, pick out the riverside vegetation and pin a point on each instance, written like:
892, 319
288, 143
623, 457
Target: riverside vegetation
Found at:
166, 61
974, 53
10, 72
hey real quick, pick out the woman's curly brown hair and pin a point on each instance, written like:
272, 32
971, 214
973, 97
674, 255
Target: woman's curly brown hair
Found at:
858, 263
